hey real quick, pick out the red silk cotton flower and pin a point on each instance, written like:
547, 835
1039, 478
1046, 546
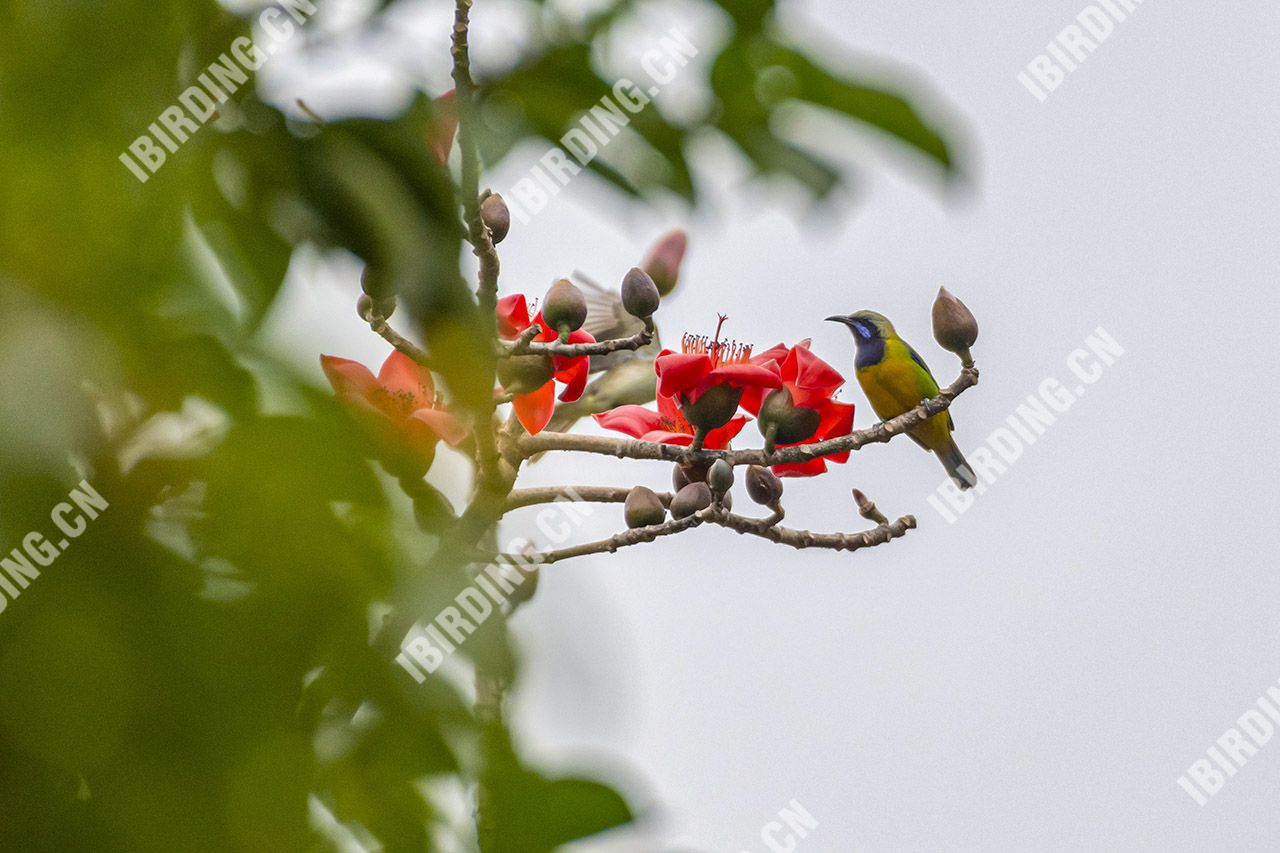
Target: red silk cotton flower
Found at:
443, 126
667, 425
708, 378
811, 384
532, 378
398, 406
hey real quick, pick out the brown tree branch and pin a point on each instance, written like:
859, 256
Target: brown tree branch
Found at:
631, 448
807, 539
529, 347
624, 539
399, 341
591, 494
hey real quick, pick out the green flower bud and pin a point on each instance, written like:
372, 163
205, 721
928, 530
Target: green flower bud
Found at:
793, 423
521, 374
564, 308
496, 217
680, 478
364, 307
376, 282
954, 326
639, 294
720, 477
643, 508
715, 408
693, 498
763, 486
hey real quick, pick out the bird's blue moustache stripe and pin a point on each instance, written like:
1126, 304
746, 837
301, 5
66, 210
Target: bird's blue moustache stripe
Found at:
870, 351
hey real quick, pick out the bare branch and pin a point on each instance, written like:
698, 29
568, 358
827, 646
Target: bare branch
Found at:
631, 448
528, 347
519, 346
399, 341
807, 539
591, 494
613, 543
878, 433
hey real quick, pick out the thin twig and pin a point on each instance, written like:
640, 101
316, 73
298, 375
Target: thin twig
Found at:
590, 494
624, 539
808, 539
399, 341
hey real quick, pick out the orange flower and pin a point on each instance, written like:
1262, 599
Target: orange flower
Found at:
535, 407
398, 406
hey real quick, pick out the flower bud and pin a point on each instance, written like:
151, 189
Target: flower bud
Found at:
720, 477
522, 374
639, 294
693, 498
643, 508
679, 477
792, 423
364, 307
763, 486
867, 509
375, 282
384, 307
564, 308
663, 261
715, 408
954, 326
496, 217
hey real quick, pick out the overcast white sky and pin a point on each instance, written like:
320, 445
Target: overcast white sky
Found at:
1039, 673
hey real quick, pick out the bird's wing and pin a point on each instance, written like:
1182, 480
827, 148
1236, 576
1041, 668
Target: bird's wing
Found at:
607, 320
928, 384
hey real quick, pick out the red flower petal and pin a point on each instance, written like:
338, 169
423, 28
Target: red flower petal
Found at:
810, 374
669, 410
535, 408
402, 375
680, 372
812, 468
658, 436
513, 315
442, 423
744, 376
443, 127
837, 421
718, 439
575, 379
419, 438
631, 420
348, 378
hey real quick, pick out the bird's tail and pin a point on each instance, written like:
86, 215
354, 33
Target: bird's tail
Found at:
953, 460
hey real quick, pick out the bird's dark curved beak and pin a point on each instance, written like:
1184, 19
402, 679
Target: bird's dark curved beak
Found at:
840, 319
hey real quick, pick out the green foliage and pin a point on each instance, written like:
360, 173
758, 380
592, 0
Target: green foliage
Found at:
216, 650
